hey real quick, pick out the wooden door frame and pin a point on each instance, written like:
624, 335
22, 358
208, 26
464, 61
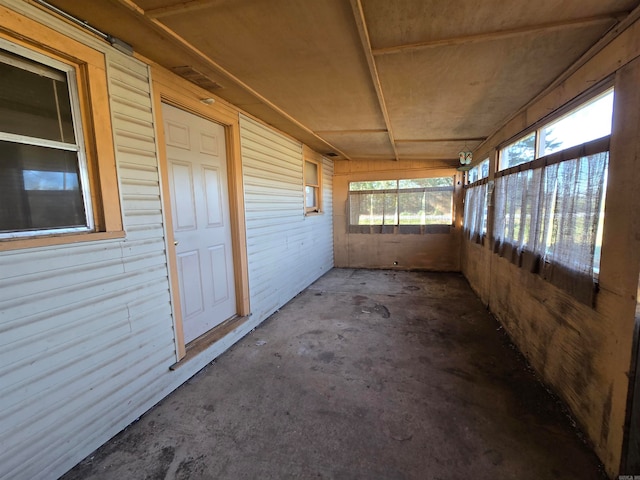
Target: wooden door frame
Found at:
170, 89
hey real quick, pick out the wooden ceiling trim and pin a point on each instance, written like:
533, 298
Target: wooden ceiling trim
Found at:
180, 7
439, 140
504, 34
361, 23
350, 132
195, 52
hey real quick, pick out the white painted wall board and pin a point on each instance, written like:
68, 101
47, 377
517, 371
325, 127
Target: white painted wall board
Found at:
86, 332
280, 238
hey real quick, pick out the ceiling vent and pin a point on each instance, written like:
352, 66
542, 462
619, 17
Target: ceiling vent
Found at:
194, 76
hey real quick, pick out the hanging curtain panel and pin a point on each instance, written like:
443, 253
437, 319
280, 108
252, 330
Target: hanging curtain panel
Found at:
475, 212
548, 219
571, 224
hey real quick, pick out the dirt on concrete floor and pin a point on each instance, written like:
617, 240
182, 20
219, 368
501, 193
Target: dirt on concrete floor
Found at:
364, 375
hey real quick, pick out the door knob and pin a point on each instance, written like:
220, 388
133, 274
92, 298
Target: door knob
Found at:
175, 243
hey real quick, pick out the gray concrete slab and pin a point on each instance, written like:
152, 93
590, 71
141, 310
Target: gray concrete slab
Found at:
364, 375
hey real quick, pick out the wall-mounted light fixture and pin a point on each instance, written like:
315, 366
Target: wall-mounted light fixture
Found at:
208, 101
465, 157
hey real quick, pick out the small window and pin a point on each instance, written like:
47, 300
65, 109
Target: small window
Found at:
406, 202
588, 122
44, 185
479, 172
521, 151
312, 186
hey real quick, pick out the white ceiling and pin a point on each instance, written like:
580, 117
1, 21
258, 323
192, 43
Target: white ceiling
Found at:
367, 79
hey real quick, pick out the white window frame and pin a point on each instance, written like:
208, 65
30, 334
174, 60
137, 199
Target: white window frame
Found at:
317, 187
69, 72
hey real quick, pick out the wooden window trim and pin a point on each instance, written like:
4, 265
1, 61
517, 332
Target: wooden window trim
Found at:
173, 90
401, 227
312, 157
92, 88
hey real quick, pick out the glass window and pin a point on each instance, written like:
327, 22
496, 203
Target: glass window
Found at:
519, 152
311, 186
555, 212
43, 178
417, 201
479, 172
375, 185
588, 122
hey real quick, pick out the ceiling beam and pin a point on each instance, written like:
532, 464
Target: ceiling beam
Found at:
180, 7
439, 140
202, 57
351, 132
363, 32
503, 34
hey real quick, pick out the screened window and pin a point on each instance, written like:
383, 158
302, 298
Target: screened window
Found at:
312, 186
43, 172
408, 202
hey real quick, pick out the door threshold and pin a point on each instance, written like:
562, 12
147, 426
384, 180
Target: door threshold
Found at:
204, 341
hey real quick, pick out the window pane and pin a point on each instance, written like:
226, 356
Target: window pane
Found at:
376, 185
390, 209
39, 189
439, 208
479, 172
474, 175
310, 173
426, 182
34, 104
484, 169
310, 197
412, 208
588, 122
366, 209
373, 209
425, 208
519, 152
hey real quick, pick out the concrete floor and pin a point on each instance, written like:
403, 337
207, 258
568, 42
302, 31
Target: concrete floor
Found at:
365, 375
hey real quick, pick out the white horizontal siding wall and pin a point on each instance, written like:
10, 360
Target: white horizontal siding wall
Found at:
86, 330
286, 250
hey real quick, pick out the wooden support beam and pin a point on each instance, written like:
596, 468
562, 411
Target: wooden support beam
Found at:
439, 140
361, 23
180, 7
351, 132
504, 34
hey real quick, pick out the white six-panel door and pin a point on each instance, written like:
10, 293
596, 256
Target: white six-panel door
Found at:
196, 158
